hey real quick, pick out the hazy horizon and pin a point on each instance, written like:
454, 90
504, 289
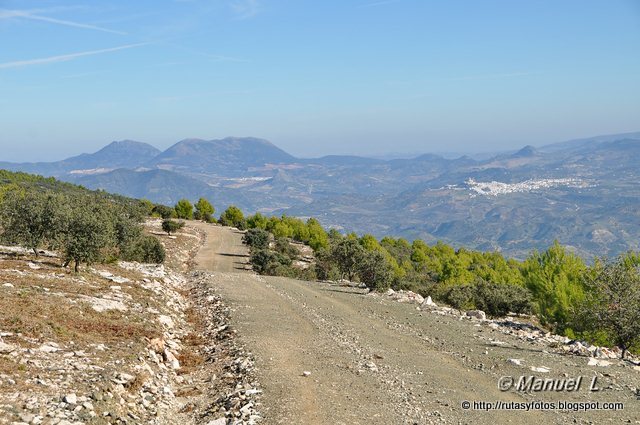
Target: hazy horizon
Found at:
381, 155
356, 77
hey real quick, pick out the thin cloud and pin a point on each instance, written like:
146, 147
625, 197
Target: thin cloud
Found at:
26, 14
246, 9
65, 58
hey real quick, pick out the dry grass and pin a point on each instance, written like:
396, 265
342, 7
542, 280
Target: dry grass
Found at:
44, 316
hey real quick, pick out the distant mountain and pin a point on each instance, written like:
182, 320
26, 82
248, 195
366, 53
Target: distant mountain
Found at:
226, 157
526, 152
583, 192
587, 143
123, 154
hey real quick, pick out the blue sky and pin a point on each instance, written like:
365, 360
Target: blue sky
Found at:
316, 77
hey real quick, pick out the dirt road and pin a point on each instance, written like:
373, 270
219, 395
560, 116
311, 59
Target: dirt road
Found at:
374, 361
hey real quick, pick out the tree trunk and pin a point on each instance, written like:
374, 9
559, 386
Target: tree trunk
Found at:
35, 251
77, 266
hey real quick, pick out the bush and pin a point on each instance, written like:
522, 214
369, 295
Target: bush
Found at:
374, 271
147, 249
457, 296
256, 238
612, 304
495, 299
267, 262
500, 299
285, 248
325, 268
163, 212
171, 226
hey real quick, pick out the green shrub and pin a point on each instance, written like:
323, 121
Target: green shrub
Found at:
170, 226
147, 249
256, 238
267, 262
374, 271
285, 248
495, 299
499, 299
163, 212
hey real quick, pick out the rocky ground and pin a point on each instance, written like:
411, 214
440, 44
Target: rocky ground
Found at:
118, 343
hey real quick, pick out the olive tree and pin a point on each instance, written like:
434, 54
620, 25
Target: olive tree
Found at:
347, 255
170, 226
374, 271
30, 218
87, 232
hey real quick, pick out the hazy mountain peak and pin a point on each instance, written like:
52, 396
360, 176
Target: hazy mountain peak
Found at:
230, 156
527, 151
129, 146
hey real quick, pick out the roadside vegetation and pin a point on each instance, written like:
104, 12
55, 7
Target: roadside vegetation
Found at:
84, 226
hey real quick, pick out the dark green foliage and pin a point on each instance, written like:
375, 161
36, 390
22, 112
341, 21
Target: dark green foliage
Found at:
171, 226
127, 231
85, 226
374, 271
146, 249
146, 206
347, 255
283, 246
325, 267
457, 296
164, 212
256, 238
612, 303
497, 299
204, 210
88, 232
184, 209
232, 216
30, 218
267, 262
493, 298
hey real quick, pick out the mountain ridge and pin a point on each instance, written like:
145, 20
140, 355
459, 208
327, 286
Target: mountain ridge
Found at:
518, 201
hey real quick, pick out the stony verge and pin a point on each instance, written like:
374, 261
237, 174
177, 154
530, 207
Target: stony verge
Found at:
523, 329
